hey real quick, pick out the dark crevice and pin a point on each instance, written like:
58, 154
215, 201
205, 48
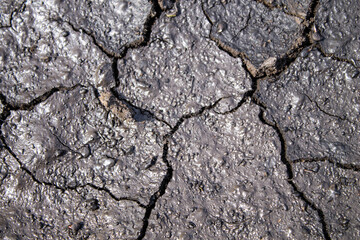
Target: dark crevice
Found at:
138, 109
169, 172
33, 103
290, 174
191, 115
247, 96
104, 189
28, 107
346, 166
116, 73
155, 197
283, 62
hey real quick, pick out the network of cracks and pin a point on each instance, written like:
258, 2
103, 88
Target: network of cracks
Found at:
179, 119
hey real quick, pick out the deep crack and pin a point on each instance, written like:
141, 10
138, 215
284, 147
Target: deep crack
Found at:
161, 191
290, 175
283, 62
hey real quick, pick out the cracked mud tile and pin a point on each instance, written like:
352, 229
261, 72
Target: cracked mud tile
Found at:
85, 143
338, 25
114, 24
229, 183
336, 191
249, 29
181, 70
29, 210
316, 103
37, 54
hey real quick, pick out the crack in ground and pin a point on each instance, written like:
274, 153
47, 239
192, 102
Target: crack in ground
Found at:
290, 174
169, 172
33, 103
326, 113
283, 62
154, 14
286, 61
67, 188
131, 105
345, 166
28, 107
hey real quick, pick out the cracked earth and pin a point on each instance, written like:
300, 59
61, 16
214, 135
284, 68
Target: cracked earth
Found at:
212, 119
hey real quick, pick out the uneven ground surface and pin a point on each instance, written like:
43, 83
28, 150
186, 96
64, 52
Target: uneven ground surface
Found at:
213, 119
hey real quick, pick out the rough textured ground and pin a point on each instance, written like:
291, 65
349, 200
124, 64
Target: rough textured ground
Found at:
227, 119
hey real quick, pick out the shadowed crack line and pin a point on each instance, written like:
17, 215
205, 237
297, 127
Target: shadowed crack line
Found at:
290, 175
161, 191
28, 107
345, 166
191, 115
33, 103
169, 172
139, 109
281, 63
143, 111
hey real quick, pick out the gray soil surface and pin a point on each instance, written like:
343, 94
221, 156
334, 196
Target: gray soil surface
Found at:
212, 119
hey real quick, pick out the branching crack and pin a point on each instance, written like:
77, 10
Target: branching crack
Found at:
290, 174
154, 14
161, 191
67, 188
281, 63
169, 172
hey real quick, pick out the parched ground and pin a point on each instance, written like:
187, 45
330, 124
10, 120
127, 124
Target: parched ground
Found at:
188, 119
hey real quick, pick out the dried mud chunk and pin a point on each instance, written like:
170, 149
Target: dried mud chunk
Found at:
338, 23
181, 71
316, 104
118, 108
70, 140
253, 30
229, 183
334, 190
